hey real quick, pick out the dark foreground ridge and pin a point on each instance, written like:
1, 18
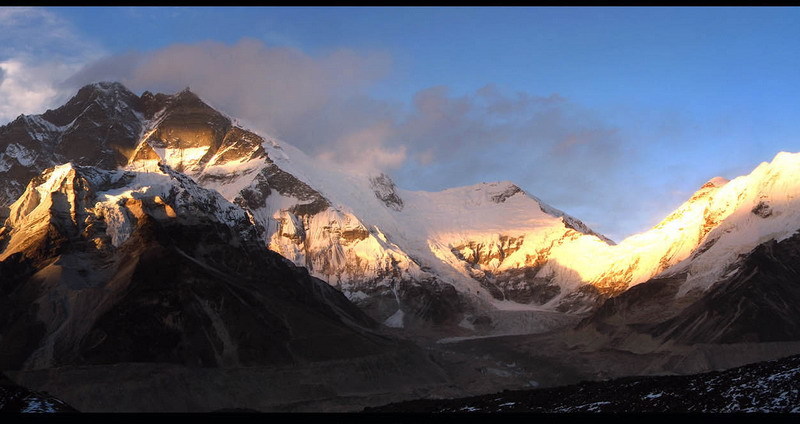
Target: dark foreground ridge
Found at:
772, 386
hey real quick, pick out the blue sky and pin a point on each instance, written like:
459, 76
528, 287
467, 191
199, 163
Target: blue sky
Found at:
615, 115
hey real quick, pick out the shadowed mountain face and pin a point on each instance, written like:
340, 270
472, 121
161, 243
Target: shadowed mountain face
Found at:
189, 283
758, 300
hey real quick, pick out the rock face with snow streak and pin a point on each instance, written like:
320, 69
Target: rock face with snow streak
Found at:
120, 266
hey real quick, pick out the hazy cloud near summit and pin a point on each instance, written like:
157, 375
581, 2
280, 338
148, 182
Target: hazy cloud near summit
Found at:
278, 90
272, 86
553, 148
321, 105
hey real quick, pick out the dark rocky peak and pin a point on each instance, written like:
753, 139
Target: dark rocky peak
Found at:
183, 121
182, 106
187, 94
99, 100
99, 126
188, 106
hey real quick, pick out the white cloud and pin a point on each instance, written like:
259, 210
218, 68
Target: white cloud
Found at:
365, 149
38, 50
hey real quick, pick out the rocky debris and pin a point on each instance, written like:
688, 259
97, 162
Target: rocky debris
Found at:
18, 399
761, 387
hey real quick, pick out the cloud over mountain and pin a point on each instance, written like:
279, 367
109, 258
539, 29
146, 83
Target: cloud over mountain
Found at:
437, 138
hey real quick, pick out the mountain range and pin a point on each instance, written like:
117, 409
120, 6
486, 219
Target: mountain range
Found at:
156, 229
